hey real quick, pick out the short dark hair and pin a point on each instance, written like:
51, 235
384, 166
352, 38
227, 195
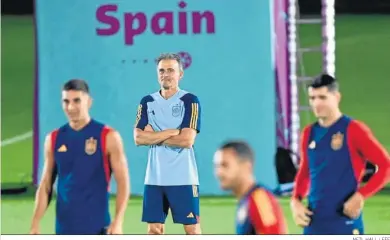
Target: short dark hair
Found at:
242, 149
76, 85
170, 56
325, 80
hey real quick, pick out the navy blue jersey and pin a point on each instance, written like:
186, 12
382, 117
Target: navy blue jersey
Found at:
332, 166
84, 172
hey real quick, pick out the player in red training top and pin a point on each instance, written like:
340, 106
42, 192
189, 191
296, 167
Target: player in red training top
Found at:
82, 154
334, 151
258, 210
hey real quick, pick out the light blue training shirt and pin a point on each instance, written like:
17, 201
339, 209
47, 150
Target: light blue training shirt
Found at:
170, 166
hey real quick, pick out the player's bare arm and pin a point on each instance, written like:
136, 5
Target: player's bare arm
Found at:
373, 151
119, 167
45, 187
185, 139
190, 125
145, 137
142, 137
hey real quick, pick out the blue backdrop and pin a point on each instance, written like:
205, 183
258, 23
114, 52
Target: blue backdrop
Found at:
227, 47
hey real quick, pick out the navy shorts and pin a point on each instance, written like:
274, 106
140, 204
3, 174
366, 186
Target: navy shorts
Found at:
183, 201
339, 226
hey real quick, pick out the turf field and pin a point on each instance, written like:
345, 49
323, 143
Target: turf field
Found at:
362, 68
217, 216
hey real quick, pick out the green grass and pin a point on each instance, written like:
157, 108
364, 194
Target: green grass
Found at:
361, 65
217, 216
17, 45
17, 74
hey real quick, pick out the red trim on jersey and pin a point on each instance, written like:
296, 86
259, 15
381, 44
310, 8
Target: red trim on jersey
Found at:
265, 213
357, 160
106, 160
302, 179
53, 138
364, 146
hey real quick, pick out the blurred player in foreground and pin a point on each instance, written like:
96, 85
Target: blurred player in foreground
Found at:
258, 211
82, 153
168, 121
334, 151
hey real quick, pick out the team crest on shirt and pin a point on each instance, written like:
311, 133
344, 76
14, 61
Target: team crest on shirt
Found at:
312, 145
242, 214
176, 110
90, 146
337, 141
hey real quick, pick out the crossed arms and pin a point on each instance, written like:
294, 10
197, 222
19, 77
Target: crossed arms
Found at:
183, 138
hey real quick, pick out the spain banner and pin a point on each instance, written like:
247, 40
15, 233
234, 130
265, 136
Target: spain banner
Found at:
227, 52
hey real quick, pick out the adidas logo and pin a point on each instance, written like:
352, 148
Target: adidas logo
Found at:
62, 148
190, 215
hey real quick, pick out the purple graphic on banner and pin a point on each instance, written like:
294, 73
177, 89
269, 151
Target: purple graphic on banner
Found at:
282, 73
143, 21
186, 59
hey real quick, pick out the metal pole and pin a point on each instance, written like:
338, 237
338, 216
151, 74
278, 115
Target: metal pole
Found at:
292, 48
328, 35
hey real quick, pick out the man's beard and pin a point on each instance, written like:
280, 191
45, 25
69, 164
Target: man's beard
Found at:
166, 87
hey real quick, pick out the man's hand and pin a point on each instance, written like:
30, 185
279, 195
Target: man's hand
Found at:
115, 228
185, 139
148, 136
174, 132
301, 214
34, 229
354, 205
148, 128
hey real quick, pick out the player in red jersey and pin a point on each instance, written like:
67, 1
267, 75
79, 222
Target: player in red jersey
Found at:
82, 154
258, 210
334, 151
